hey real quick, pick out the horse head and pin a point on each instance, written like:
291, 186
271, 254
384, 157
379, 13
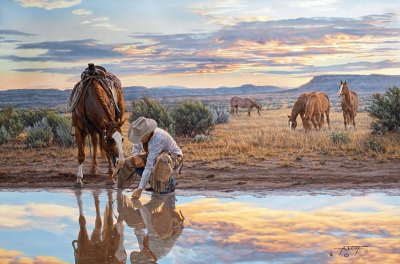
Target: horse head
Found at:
343, 88
292, 123
113, 138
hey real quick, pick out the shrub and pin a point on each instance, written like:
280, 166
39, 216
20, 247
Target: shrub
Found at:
220, 114
374, 146
152, 109
340, 138
63, 136
201, 138
11, 122
30, 118
386, 111
192, 118
4, 135
39, 135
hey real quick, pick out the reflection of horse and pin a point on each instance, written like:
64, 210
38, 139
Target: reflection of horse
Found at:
106, 244
317, 104
244, 102
163, 223
349, 104
99, 114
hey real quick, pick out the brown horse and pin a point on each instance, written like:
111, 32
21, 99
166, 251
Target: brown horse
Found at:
106, 244
244, 102
349, 104
299, 108
317, 104
97, 114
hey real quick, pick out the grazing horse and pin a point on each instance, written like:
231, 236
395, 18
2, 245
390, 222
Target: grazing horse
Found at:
106, 244
317, 104
244, 102
299, 108
99, 113
349, 104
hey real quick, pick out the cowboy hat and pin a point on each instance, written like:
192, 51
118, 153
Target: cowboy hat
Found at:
139, 128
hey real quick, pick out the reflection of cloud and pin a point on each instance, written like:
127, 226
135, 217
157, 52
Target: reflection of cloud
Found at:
244, 229
31, 216
48, 4
82, 12
17, 257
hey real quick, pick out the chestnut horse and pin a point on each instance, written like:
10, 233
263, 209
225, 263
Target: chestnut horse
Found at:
317, 104
299, 108
349, 104
244, 102
97, 114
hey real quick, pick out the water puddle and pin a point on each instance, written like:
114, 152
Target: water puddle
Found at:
106, 227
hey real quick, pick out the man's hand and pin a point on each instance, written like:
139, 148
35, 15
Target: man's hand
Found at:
139, 162
137, 193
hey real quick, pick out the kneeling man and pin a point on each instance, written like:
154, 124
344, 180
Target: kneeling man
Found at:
156, 156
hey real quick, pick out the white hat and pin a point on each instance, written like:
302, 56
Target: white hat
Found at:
139, 128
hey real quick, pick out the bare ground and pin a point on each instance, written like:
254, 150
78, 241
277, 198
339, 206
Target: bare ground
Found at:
335, 173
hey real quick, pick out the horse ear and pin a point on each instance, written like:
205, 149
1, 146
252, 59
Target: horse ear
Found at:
288, 116
341, 82
344, 82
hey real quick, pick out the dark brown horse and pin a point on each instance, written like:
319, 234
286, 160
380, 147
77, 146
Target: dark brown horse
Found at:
244, 102
349, 104
100, 115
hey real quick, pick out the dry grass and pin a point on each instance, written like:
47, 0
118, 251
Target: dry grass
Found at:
260, 137
244, 141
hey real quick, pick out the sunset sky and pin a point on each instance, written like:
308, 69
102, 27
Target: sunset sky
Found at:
199, 44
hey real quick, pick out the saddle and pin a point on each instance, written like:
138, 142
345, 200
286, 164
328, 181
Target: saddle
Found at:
108, 81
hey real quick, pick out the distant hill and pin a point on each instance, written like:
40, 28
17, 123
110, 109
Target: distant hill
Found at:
362, 84
47, 98
330, 84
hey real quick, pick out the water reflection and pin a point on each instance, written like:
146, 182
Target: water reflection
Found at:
156, 224
106, 243
109, 227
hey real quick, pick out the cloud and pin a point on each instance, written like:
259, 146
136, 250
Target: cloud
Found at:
82, 12
14, 32
48, 4
65, 51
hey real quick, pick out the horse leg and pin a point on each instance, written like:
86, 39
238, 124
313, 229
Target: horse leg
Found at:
315, 125
327, 119
344, 118
110, 179
354, 119
80, 141
258, 109
237, 110
249, 111
98, 223
95, 144
321, 121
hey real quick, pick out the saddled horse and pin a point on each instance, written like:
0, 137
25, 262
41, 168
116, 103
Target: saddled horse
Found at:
317, 105
244, 102
349, 104
98, 112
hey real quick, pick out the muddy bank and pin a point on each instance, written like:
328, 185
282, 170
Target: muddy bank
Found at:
226, 176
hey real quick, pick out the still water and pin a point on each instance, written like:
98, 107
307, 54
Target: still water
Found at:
108, 227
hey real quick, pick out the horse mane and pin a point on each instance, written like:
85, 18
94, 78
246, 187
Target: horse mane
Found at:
347, 94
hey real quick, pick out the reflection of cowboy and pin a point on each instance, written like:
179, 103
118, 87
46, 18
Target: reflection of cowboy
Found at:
163, 223
155, 157
106, 242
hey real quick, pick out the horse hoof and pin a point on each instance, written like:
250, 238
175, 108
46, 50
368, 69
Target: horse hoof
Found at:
78, 184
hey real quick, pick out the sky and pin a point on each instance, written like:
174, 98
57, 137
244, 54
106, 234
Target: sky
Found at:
196, 44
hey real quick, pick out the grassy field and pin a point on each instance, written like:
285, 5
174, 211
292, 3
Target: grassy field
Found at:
248, 139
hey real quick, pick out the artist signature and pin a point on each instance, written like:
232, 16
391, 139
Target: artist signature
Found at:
347, 251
